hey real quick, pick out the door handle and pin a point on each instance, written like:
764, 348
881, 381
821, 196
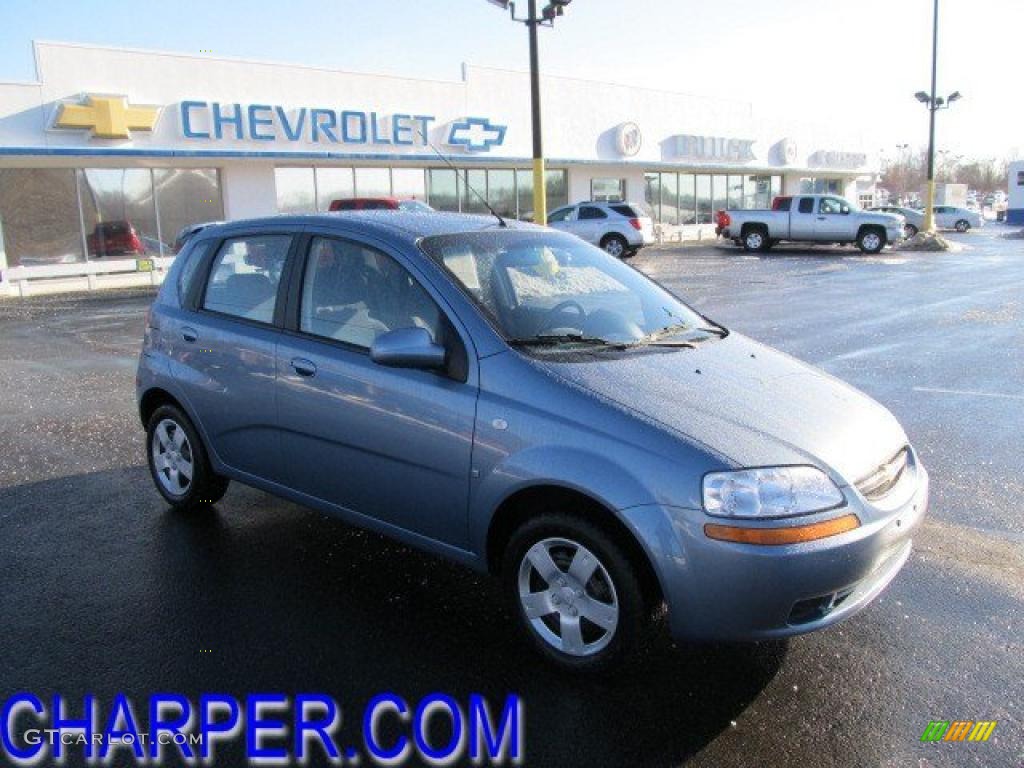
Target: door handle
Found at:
303, 367
821, 218
189, 334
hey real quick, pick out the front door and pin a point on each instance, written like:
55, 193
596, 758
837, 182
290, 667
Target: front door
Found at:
834, 221
393, 444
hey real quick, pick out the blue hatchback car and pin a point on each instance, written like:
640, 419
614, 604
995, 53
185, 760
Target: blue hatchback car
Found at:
516, 399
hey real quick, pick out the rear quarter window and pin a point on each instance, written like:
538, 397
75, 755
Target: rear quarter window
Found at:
191, 257
625, 210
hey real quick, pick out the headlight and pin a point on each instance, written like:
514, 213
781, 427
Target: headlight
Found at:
769, 492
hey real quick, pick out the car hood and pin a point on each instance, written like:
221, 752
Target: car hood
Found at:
886, 219
753, 405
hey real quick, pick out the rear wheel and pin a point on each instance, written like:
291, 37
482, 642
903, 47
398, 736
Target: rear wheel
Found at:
963, 225
178, 462
871, 240
615, 245
909, 230
755, 239
574, 592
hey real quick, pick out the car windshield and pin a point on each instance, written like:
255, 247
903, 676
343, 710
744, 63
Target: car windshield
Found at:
548, 288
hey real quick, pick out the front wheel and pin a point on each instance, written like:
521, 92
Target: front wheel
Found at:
615, 245
963, 225
178, 462
574, 592
871, 241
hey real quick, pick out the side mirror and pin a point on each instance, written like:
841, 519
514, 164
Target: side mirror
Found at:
407, 348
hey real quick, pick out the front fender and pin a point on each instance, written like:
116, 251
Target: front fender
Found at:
590, 473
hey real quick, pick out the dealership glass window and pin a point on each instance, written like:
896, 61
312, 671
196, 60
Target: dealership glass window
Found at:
296, 190
776, 186
608, 190
333, 184
373, 182
718, 193
734, 198
669, 209
443, 192
119, 212
524, 195
409, 183
39, 216
820, 186
476, 179
186, 196
556, 185
687, 199
703, 195
652, 194
501, 191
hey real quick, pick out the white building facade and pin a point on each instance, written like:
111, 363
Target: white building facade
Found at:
155, 141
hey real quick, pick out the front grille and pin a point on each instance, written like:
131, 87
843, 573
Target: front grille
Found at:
882, 480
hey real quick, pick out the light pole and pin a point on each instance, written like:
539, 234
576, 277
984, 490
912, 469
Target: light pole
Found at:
533, 21
934, 102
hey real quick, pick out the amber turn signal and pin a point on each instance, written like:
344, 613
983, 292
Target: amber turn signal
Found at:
793, 534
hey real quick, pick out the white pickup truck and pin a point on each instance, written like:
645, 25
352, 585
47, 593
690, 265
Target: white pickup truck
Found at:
810, 218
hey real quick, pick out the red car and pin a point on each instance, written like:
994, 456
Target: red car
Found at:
114, 238
379, 204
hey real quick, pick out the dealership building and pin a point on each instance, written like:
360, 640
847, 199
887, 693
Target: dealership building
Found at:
110, 139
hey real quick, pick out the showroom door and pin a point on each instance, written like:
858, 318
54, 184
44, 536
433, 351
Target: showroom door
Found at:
390, 443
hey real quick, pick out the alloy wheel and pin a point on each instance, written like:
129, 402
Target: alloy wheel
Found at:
568, 597
614, 247
173, 460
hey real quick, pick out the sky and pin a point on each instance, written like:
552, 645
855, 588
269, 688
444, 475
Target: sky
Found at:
806, 60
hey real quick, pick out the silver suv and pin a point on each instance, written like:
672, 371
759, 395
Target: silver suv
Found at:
620, 228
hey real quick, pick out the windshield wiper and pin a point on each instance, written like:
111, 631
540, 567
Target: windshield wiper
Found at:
554, 339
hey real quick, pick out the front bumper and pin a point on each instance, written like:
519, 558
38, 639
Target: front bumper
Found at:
719, 590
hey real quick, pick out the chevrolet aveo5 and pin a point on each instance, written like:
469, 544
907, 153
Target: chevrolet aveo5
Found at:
517, 400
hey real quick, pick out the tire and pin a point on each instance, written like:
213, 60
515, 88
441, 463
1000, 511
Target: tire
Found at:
630, 253
871, 240
172, 444
963, 225
909, 231
615, 245
545, 607
755, 240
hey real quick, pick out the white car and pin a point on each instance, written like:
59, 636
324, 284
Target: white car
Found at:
960, 219
619, 228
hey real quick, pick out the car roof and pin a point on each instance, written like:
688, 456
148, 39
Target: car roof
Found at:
400, 226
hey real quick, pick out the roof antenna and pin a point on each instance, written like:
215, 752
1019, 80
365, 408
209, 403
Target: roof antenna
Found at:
494, 213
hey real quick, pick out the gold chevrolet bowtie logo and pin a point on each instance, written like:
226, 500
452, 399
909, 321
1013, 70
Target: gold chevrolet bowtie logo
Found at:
109, 117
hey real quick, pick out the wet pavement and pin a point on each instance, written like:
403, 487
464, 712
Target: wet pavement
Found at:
102, 589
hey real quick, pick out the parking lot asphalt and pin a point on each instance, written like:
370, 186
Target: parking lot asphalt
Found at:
103, 589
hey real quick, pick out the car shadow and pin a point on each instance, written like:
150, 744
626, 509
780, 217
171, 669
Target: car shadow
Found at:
109, 590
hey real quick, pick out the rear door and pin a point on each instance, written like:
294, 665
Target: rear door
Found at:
389, 443
802, 219
225, 348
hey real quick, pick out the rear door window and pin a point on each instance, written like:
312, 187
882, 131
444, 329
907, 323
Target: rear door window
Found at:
245, 276
590, 212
